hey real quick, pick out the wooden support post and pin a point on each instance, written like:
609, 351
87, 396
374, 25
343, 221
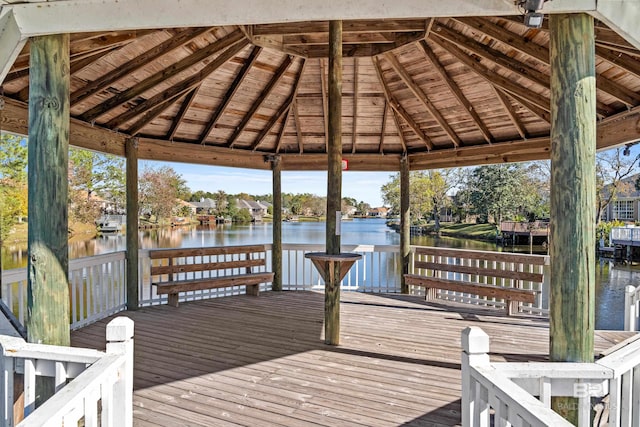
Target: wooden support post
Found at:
131, 151
405, 222
48, 179
573, 145
334, 184
276, 251
120, 341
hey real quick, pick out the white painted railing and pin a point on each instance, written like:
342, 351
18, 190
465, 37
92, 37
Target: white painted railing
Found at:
520, 393
97, 288
91, 386
480, 264
631, 308
625, 235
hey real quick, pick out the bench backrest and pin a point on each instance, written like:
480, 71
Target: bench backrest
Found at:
188, 263
499, 268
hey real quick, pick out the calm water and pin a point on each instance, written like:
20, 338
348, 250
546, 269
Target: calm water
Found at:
610, 279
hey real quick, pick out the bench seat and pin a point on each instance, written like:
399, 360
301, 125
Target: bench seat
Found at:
249, 279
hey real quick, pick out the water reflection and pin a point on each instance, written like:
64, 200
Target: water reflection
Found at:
611, 279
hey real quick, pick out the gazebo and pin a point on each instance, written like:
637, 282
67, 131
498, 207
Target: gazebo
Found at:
303, 85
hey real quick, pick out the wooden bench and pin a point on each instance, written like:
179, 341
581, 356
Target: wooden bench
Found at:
193, 269
495, 275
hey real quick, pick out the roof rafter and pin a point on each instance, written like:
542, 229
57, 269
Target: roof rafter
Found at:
355, 106
456, 91
284, 108
504, 101
285, 121
154, 112
325, 103
155, 79
180, 39
396, 120
384, 126
258, 102
398, 108
179, 89
186, 104
228, 96
296, 118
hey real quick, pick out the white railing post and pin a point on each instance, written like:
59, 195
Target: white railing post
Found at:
120, 341
475, 349
8, 370
630, 309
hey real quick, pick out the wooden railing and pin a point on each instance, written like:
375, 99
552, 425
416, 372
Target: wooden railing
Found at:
91, 386
477, 267
625, 235
520, 393
97, 288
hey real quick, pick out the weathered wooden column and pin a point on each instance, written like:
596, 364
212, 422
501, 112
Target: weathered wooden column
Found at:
131, 151
334, 183
405, 222
573, 146
276, 248
48, 180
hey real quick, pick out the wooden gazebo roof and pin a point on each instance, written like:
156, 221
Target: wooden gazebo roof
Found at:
446, 91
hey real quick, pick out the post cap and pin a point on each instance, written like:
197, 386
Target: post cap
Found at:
120, 329
474, 340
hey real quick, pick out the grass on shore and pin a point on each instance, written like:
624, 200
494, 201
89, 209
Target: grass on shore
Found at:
77, 231
471, 231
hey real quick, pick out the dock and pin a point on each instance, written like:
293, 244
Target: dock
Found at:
516, 232
262, 362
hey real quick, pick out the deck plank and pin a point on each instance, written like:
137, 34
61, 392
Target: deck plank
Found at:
262, 361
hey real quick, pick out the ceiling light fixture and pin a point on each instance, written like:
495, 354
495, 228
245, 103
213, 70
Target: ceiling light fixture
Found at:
531, 9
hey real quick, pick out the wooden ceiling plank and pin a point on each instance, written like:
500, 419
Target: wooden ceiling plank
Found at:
136, 63
384, 127
398, 108
534, 108
325, 100
186, 104
178, 89
514, 41
456, 91
296, 117
154, 112
493, 55
419, 93
228, 96
359, 26
620, 60
284, 109
162, 75
621, 93
258, 102
488, 75
354, 132
517, 123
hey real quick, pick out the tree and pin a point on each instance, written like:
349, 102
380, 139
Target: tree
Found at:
221, 199
496, 190
13, 158
159, 190
612, 167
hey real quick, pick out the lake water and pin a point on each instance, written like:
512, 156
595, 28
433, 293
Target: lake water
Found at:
611, 279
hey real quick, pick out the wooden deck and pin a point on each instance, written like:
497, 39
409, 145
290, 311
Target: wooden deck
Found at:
262, 362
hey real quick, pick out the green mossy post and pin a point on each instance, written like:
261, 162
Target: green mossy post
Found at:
48, 179
405, 222
276, 251
334, 183
573, 149
131, 151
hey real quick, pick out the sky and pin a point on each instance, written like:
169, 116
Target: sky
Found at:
362, 186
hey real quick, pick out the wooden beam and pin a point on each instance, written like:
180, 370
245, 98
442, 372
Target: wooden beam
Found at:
403, 141
11, 41
423, 98
131, 151
258, 102
95, 86
493, 78
156, 111
620, 60
228, 96
296, 118
354, 132
48, 182
384, 126
621, 93
162, 75
171, 93
405, 222
276, 251
395, 105
285, 121
325, 111
573, 191
456, 91
186, 105
349, 27
284, 108
513, 116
